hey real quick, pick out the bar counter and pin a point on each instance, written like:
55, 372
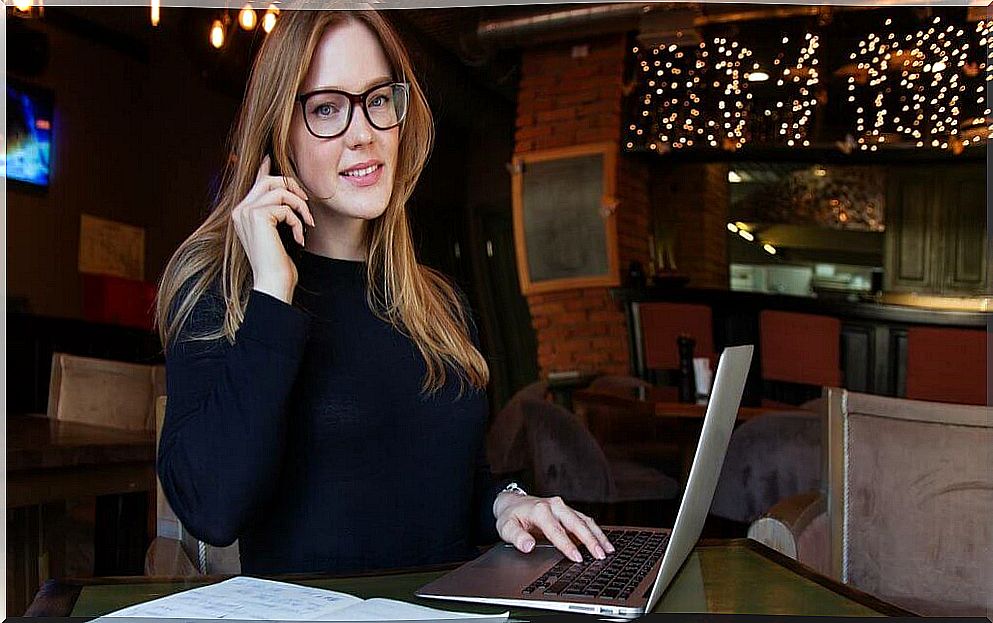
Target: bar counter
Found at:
873, 334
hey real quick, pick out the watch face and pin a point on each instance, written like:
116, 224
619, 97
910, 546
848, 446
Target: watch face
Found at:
515, 488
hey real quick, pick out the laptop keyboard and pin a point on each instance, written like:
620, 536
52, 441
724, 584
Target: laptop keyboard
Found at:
635, 553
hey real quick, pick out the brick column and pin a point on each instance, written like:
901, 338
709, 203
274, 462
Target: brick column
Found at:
563, 100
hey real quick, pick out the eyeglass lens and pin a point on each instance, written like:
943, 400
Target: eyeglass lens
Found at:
328, 113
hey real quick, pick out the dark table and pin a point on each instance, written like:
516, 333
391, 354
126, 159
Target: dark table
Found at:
739, 576
52, 461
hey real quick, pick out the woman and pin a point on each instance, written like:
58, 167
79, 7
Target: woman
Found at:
327, 403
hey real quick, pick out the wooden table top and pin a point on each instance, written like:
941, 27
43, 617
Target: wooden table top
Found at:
37, 442
656, 401
732, 577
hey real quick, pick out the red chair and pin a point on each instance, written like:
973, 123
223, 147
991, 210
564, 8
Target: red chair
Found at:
800, 348
947, 365
663, 323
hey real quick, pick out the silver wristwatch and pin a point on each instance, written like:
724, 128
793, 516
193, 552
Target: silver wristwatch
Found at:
515, 489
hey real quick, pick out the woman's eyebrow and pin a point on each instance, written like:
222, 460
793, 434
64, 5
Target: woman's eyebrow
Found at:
368, 85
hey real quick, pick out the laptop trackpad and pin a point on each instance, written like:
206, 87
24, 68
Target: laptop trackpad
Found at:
500, 571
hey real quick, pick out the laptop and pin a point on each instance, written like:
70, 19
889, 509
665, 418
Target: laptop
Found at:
631, 580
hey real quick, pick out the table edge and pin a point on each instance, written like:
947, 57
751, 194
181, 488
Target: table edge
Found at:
57, 598
845, 590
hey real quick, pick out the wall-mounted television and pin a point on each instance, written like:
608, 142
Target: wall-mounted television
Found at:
29, 134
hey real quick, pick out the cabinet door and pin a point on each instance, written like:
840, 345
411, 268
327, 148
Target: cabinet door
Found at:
911, 239
966, 261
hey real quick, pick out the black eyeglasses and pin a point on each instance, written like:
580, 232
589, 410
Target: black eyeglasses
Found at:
328, 112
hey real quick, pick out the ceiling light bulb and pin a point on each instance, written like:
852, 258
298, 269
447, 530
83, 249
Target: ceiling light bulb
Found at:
247, 17
217, 34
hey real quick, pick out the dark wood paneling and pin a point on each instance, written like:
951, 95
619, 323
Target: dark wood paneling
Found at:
910, 232
964, 208
898, 357
857, 357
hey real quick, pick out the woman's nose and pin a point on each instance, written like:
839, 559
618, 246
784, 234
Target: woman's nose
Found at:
359, 131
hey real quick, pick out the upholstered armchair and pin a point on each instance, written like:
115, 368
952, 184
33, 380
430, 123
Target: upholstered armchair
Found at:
905, 514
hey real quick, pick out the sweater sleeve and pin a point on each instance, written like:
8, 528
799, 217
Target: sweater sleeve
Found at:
485, 490
222, 440
485, 486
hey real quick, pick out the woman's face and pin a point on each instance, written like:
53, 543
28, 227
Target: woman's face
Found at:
349, 58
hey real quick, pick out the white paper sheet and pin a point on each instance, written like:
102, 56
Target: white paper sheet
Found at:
253, 599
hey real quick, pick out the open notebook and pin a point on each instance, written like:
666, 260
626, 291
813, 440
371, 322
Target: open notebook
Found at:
252, 599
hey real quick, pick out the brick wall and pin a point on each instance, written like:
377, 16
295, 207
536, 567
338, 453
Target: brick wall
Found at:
564, 101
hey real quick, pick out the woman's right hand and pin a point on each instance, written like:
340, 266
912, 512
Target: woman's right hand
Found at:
273, 199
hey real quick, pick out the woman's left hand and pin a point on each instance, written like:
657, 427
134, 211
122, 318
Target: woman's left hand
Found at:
520, 517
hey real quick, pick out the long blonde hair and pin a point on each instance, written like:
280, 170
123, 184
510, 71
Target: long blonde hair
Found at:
417, 300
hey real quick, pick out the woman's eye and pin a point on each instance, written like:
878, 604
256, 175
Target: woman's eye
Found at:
379, 100
325, 110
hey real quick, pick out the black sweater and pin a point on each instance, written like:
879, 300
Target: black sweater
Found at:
309, 441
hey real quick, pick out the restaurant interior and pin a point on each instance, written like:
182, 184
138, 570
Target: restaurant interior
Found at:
622, 191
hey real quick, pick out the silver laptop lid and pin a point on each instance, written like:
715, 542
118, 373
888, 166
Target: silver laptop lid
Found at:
722, 411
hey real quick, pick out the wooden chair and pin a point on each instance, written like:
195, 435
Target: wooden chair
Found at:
107, 393
947, 365
110, 394
908, 503
174, 551
800, 354
660, 324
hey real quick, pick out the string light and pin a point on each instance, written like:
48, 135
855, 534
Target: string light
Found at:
703, 95
919, 88
217, 34
247, 18
155, 13
269, 19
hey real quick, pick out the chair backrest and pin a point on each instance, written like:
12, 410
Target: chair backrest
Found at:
506, 439
207, 559
566, 459
660, 324
947, 365
107, 393
800, 348
769, 458
910, 497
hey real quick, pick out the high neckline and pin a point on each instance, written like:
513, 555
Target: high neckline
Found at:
320, 272
307, 256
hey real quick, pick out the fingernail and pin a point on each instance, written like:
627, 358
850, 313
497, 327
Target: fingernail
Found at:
528, 545
610, 547
576, 556
600, 553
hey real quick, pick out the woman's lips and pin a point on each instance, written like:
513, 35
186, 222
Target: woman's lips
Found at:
368, 179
